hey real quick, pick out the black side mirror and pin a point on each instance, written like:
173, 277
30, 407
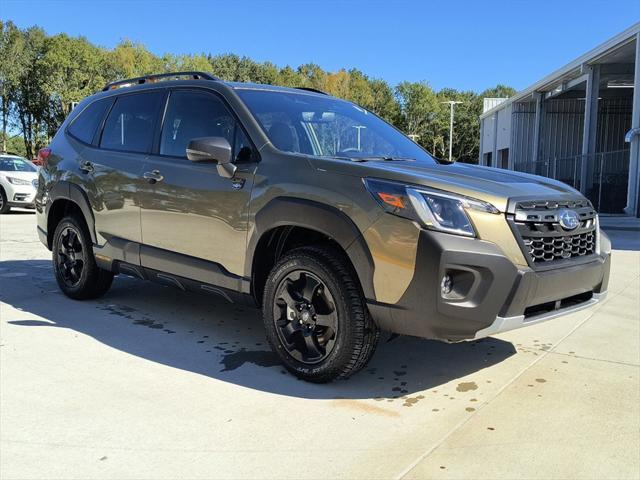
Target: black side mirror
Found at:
212, 149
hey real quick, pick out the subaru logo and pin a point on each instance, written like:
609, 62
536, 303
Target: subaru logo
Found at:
568, 219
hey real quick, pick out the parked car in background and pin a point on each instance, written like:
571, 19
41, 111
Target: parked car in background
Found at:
18, 182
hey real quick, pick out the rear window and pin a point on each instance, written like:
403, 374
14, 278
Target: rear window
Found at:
129, 126
86, 124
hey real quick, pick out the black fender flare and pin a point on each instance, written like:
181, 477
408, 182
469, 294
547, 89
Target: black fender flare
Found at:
64, 190
328, 220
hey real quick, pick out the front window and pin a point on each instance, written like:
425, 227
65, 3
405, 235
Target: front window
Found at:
16, 164
194, 114
325, 126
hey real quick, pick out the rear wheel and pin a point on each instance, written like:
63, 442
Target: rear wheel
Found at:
4, 204
74, 266
315, 316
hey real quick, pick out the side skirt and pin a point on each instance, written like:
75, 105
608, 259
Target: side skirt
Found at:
174, 269
181, 283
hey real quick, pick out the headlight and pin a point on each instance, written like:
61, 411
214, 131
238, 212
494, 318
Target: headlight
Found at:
18, 181
433, 209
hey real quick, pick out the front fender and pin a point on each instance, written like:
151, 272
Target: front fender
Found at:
298, 212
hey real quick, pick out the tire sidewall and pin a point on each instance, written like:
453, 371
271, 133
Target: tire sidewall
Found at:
341, 352
5, 202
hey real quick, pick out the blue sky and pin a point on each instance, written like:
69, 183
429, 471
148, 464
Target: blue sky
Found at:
460, 44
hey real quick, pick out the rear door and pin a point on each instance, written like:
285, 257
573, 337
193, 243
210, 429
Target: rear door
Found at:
192, 214
115, 166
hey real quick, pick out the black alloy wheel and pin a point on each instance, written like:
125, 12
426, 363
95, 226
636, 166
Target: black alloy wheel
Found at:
305, 317
70, 256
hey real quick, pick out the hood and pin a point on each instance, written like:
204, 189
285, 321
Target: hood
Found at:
492, 185
22, 175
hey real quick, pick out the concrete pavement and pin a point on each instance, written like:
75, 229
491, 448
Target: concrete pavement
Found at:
150, 382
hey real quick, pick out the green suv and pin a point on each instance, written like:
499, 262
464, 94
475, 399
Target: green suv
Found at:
332, 221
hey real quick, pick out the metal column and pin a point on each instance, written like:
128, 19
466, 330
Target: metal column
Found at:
537, 128
481, 156
633, 192
494, 155
590, 123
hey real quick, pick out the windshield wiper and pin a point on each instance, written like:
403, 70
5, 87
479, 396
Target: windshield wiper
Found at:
377, 159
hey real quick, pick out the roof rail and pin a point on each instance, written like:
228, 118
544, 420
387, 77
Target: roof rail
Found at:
310, 89
153, 78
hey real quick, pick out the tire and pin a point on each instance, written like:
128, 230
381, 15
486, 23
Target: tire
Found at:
336, 337
74, 265
4, 204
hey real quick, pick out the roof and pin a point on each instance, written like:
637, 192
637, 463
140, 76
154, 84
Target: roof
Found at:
572, 69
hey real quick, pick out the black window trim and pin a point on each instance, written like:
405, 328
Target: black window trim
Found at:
98, 132
163, 98
155, 149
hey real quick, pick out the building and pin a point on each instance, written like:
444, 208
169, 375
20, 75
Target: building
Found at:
580, 125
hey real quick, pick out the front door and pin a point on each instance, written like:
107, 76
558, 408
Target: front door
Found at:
189, 212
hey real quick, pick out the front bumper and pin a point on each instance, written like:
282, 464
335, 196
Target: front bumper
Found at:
20, 195
490, 294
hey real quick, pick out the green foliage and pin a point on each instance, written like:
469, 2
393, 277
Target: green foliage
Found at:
13, 144
40, 77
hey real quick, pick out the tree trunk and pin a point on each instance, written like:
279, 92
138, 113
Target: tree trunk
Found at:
5, 105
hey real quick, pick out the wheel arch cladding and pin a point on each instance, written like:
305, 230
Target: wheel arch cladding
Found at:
66, 197
335, 225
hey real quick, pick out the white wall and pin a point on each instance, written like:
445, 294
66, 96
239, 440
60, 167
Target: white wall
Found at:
487, 135
504, 127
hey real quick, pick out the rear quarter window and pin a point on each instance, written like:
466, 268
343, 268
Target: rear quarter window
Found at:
85, 125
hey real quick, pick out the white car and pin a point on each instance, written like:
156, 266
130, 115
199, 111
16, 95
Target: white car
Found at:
18, 182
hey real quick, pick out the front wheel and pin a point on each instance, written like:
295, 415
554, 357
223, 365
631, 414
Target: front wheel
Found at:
315, 315
74, 266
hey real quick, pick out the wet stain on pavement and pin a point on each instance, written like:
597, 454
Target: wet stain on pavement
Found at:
411, 401
466, 386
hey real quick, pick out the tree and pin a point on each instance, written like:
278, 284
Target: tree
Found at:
72, 69
422, 115
31, 102
41, 76
11, 67
129, 60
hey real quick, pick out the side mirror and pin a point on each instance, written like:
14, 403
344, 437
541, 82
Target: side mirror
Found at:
212, 149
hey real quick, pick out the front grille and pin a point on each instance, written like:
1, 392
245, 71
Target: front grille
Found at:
545, 240
548, 249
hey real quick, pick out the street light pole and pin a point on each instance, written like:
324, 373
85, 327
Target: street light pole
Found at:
451, 104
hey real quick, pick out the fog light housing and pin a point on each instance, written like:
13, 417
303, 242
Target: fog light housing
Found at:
446, 285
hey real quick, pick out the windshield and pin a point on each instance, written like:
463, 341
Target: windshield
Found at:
327, 126
16, 164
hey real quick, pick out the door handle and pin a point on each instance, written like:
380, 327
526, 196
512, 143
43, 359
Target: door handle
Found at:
153, 176
86, 167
